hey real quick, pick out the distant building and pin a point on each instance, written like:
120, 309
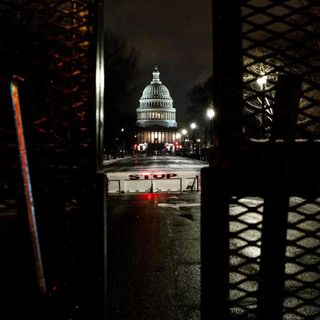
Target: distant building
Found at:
156, 117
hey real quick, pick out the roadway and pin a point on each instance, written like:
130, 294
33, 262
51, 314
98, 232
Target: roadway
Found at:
155, 247
141, 162
154, 242
154, 254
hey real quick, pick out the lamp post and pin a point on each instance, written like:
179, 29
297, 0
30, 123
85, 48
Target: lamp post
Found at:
198, 145
193, 126
184, 133
122, 143
178, 141
262, 81
210, 115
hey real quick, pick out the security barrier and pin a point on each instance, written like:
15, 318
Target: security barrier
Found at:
260, 241
261, 200
121, 186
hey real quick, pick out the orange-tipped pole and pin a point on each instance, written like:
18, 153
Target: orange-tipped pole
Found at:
27, 187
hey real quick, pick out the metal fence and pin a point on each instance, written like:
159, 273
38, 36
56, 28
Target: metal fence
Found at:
260, 203
53, 50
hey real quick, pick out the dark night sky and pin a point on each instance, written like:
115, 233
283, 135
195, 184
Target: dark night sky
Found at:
175, 35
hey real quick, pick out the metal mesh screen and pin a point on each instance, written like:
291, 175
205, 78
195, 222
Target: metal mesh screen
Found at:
245, 241
265, 250
280, 38
302, 276
51, 46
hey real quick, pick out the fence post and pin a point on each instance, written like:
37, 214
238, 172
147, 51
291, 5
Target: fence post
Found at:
273, 247
274, 229
227, 78
286, 106
214, 244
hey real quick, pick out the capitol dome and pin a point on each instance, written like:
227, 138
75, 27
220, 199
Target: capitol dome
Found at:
156, 104
156, 116
156, 90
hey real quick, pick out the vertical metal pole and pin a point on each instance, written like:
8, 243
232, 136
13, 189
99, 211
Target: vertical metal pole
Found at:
272, 267
215, 185
193, 142
28, 188
100, 176
264, 121
205, 156
100, 83
227, 78
214, 244
285, 109
275, 217
211, 133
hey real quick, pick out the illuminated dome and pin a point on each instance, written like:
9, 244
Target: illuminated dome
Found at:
156, 105
156, 90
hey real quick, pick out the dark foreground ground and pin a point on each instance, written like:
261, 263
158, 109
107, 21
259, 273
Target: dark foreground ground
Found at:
154, 257
153, 254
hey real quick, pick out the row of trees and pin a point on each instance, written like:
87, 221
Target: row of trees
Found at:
121, 77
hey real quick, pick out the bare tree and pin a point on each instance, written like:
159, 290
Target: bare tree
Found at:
120, 97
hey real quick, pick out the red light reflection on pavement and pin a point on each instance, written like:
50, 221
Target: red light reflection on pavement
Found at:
152, 197
148, 196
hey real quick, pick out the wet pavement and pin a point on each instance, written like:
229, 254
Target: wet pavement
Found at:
142, 162
154, 248
154, 260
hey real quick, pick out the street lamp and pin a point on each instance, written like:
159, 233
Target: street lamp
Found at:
178, 141
193, 126
211, 114
122, 143
184, 133
198, 146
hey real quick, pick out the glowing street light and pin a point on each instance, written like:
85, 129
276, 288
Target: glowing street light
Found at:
184, 133
193, 126
122, 142
211, 114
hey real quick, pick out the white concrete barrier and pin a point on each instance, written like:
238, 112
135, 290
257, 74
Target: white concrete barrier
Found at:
153, 181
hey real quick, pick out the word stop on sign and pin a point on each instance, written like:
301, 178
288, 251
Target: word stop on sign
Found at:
147, 176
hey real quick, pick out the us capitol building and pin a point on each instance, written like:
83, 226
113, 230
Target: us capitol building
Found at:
156, 117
